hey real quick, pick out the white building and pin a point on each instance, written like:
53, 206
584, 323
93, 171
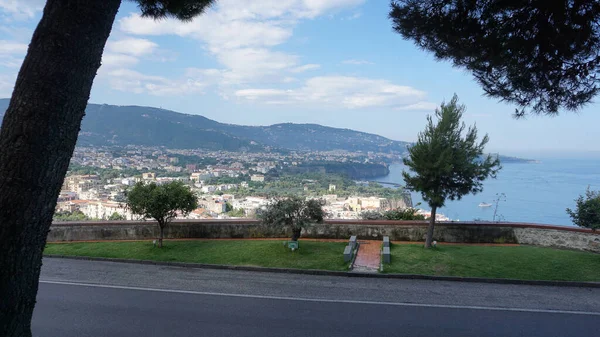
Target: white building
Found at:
249, 203
364, 204
80, 183
257, 177
149, 176
213, 205
199, 176
92, 194
129, 181
208, 188
103, 210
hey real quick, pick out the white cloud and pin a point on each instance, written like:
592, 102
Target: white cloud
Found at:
420, 106
318, 7
10, 47
354, 16
132, 46
350, 92
10, 61
215, 28
126, 52
112, 60
132, 81
356, 62
21, 9
12, 53
241, 37
16, 33
241, 47
7, 83
250, 65
254, 94
255, 60
305, 67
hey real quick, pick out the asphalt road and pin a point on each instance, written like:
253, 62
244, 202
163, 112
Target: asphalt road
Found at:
81, 298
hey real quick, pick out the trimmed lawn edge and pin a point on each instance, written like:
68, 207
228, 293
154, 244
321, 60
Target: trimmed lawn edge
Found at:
577, 284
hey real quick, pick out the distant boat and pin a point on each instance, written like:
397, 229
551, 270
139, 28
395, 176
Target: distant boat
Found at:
485, 204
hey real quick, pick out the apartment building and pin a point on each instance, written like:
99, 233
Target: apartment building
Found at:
80, 183
104, 209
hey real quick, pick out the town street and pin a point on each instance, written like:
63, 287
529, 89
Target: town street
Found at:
84, 298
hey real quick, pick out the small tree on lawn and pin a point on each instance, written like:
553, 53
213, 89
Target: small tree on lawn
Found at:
294, 212
587, 210
161, 202
445, 164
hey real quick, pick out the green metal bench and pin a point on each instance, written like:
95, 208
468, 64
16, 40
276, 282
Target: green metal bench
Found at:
293, 245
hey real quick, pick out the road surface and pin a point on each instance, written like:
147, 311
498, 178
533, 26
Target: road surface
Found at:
83, 298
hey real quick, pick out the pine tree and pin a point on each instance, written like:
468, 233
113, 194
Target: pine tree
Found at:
39, 132
540, 55
448, 162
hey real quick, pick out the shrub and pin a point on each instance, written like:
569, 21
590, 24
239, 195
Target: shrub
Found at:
587, 210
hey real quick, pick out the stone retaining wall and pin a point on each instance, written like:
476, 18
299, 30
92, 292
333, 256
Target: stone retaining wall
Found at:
458, 232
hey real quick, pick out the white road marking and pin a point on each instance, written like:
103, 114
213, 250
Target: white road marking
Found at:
320, 300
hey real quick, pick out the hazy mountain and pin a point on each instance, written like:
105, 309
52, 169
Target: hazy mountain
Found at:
122, 125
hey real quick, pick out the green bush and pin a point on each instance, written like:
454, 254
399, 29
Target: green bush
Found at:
587, 210
395, 214
70, 216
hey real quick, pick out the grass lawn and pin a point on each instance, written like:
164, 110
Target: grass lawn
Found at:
517, 262
263, 253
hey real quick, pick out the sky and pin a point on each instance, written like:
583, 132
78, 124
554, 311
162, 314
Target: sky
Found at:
332, 62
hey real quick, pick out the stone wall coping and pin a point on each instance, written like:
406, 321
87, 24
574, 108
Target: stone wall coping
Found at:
339, 222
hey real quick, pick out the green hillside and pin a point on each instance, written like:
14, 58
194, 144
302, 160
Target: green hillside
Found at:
123, 125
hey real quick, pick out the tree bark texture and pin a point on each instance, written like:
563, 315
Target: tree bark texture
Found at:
296, 232
430, 229
37, 140
161, 235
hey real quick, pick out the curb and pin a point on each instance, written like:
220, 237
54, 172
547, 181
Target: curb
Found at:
354, 254
576, 284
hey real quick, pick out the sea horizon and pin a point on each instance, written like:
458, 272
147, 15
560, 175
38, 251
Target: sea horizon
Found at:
535, 192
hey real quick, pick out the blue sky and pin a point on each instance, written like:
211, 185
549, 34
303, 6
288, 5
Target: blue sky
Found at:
332, 62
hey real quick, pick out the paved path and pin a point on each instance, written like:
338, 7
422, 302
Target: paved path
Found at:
84, 298
368, 258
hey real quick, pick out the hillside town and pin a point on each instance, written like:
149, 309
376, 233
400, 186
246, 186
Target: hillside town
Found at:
99, 178
178, 160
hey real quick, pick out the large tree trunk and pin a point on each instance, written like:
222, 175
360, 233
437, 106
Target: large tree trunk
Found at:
296, 232
37, 139
161, 235
430, 229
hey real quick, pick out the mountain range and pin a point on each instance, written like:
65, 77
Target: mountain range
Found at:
105, 125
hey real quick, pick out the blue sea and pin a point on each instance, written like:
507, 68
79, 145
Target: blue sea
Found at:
535, 192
